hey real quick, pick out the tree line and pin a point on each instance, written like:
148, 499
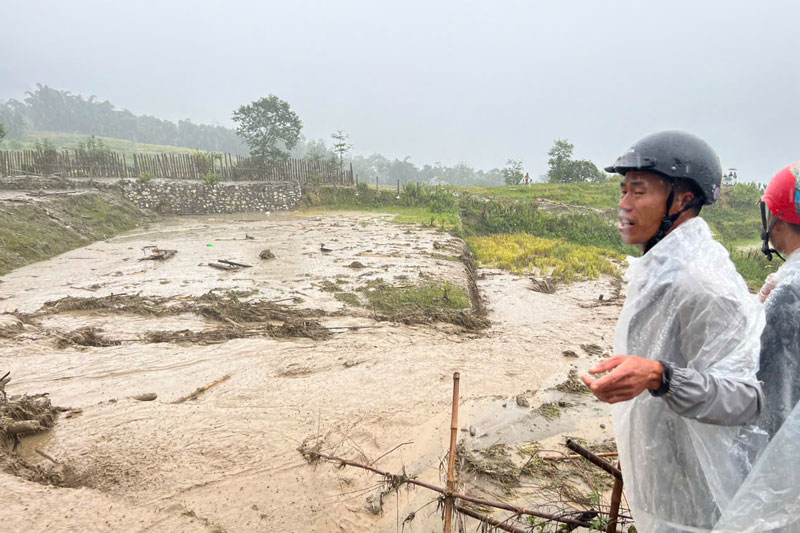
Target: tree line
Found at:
48, 109
268, 129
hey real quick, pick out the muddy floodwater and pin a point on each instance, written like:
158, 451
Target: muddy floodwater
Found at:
227, 460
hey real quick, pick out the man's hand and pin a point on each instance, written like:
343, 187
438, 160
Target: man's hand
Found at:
630, 376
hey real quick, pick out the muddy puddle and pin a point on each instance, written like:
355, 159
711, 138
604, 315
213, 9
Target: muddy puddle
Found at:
228, 460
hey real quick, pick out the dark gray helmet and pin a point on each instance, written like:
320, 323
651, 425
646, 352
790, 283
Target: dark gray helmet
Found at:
675, 154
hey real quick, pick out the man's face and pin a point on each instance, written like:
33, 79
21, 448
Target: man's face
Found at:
778, 234
642, 206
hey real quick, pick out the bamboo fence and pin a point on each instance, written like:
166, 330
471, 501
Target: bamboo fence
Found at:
79, 163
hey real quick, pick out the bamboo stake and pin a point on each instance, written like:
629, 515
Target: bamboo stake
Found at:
451, 464
616, 500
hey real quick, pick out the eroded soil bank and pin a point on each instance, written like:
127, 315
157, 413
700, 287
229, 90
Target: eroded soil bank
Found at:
228, 460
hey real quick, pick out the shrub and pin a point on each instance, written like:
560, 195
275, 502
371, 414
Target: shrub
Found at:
210, 178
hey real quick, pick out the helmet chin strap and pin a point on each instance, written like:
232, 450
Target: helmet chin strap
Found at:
765, 234
669, 220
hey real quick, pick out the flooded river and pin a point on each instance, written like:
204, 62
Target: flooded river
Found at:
228, 460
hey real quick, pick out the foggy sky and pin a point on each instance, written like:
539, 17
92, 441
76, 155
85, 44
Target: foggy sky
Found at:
448, 81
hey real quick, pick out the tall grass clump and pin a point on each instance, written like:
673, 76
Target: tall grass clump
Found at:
524, 253
754, 266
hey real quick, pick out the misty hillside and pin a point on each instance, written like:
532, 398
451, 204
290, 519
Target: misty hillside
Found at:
50, 110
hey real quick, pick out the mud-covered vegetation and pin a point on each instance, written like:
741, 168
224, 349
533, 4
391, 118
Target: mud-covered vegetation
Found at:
34, 231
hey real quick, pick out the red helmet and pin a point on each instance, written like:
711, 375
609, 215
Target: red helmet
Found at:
783, 194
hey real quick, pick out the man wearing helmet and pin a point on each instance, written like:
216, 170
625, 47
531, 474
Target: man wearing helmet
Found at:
693, 330
768, 498
780, 342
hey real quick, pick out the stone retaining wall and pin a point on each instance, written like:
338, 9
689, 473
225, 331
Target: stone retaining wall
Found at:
179, 197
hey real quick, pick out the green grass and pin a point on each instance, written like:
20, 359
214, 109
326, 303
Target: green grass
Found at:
754, 266
29, 233
71, 141
525, 253
393, 300
600, 195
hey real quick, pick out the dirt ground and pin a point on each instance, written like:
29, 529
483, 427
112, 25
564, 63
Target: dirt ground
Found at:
228, 460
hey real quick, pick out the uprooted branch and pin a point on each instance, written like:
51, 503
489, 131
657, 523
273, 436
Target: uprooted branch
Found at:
313, 456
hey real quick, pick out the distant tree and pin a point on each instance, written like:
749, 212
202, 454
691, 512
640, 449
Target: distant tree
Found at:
563, 169
560, 162
340, 146
269, 127
316, 150
512, 173
2, 133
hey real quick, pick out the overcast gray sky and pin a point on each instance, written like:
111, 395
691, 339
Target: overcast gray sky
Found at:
448, 81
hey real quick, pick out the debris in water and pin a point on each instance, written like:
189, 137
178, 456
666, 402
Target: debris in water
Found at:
222, 266
543, 285
157, 254
522, 401
234, 263
266, 254
573, 384
569, 353
552, 410
85, 336
357, 264
592, 349
201, 390
146, 397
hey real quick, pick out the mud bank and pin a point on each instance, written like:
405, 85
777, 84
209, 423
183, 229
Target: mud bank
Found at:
228, 460
36, 225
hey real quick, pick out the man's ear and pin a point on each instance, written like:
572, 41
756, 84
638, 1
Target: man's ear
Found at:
680, 200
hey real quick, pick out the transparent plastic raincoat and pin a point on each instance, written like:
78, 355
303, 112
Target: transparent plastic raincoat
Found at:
684, 454
769, 499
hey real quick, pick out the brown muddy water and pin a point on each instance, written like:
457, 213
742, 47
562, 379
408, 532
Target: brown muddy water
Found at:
228, 460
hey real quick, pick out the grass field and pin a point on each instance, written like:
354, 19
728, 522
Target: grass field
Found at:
71, 141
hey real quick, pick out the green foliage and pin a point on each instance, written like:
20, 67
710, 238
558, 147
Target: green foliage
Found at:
753, 266
340, 146
599, 523
599, 195
94, 146
390, 171
210, 178
392, 300
563, 169
418, 204
269, 126
145, 177
2, 132
205, 161
563, 261
44, 146
512, 173
479, 217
